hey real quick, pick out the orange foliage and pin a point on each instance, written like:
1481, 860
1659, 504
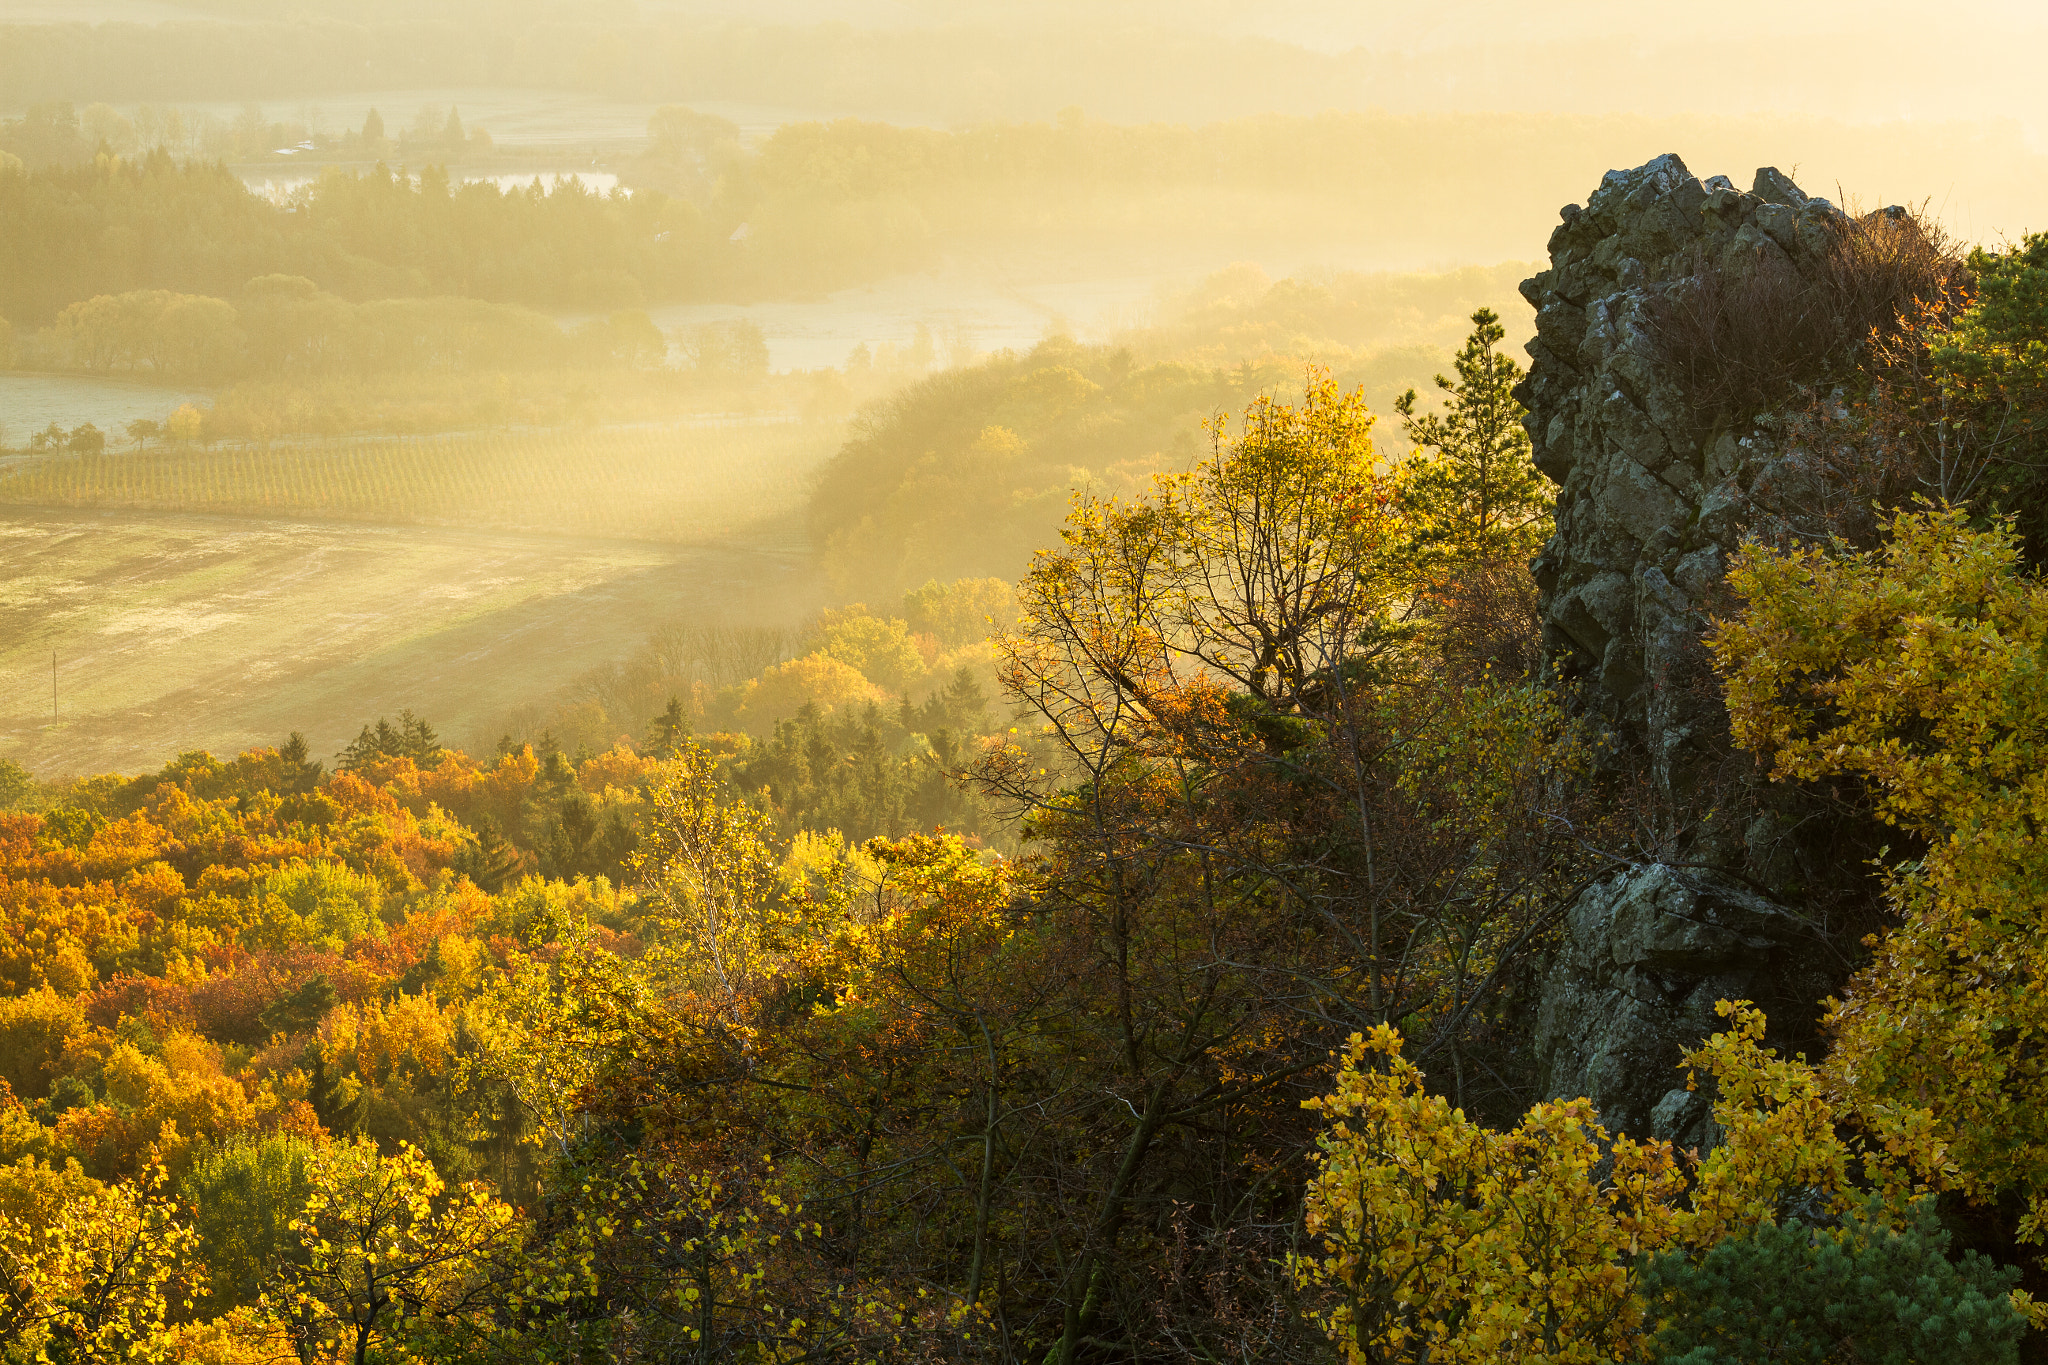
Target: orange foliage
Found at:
621, 768
84, 898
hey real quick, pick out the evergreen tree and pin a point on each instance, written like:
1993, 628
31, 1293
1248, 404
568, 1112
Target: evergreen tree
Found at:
667, 730
1813, 1295
490, 862
1471, 485
418, 741
302, 774
411, 738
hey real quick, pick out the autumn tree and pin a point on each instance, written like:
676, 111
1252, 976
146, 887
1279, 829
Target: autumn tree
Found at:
186, 425
1914, 667
1265, 821
95, 1272
390, 1255
1444, 1240
751, 1125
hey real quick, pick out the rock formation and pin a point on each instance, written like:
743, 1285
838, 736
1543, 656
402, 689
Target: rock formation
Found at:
1652, 503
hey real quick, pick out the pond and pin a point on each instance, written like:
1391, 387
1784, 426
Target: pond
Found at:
967, 314
30, 402
976, 306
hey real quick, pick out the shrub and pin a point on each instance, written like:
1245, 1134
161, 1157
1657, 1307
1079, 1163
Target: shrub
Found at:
1738, 338
1860, 1290
1486, 620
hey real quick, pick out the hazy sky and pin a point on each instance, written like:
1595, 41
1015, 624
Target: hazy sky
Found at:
1339, 25
1854, 60
1328, 25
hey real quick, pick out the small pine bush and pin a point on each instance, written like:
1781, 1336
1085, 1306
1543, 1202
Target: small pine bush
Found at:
1857, 1292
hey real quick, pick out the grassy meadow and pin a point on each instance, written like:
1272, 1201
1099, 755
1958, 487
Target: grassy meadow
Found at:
173, 632
219, 599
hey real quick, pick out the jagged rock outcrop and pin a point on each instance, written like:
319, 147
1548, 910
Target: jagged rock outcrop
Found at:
1654, 495
1652, 491
1647, 954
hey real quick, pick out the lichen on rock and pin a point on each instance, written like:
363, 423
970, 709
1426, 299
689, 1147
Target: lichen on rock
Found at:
1651, 486
1654, 496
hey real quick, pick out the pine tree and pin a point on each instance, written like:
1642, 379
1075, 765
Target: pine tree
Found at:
1811, 1295
417, 741
1471, 487
490, 862
302, 774
667, 730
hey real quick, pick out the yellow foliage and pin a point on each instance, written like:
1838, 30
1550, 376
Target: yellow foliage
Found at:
1781, 1133
813, 680
33, 1191
35, 1029
618, 767
1449, 1242
21, 1137
712, 889
322, 903
389, 1248
147, 1106
1446, 1241
963, 612
185, 425
1917, 667
96, 1276
880, 650
243, 1337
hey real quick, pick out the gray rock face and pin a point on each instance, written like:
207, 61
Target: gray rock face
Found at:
1647, 954
1653, 498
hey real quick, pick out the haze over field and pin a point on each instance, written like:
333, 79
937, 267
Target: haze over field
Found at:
990, 195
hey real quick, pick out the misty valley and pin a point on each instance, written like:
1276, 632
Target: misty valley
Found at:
835, 681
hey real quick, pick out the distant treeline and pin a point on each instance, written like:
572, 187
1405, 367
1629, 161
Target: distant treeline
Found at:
73, 233
284, 326
819, 206
60, 134
964, 474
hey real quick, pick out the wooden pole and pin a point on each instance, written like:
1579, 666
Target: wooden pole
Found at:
53, 687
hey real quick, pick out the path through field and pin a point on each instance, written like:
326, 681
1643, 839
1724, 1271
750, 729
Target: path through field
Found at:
176, 632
